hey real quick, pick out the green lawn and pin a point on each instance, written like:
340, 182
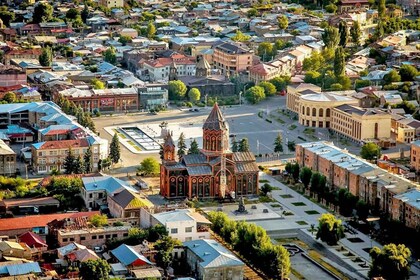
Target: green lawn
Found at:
302, 223
134, 145
286, 196
311, 212
298, 204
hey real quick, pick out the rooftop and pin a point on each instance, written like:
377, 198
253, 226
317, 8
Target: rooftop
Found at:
411, 197
180, 215
105, 183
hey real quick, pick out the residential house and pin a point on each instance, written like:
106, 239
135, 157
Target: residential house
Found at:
130, 258
231, 58
43, 204
96, 189
415, 155
209, 259
14, 250
345, 6
7, 159
127, 204
183, 224
262, 72
27, 270
11, 76
26, 54
162, 68
33, 240
112, 3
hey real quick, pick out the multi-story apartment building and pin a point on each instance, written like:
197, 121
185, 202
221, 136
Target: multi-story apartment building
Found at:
382, 190
360, 124
91, 237
262, 72
231, 59
50, 155
406, 208
112, 3
7, 160
175, 65
183, 224
415, 155
21, 54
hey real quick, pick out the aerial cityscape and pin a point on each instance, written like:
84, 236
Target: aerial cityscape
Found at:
209, 140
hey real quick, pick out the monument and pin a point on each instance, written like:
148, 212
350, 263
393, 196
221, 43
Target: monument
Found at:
241, 207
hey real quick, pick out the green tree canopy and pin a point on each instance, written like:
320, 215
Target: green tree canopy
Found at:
381, 9
370, 151
344, 33
95, 270
305, 176
408, 73
339, 62
240, 37
87, 160
43, 12
330, 229
97, 84
69, 162
280, 82
282, 22
269, 88
255, 94
235, 146
6, 15
115, 149
99, 220
72, 13
182, 147
46, 57
177, 90
392, 262
194, 148
278, 144
243, 145
124, 39
312, 77
149, 166
10, 97
110, 55
330, 37
252, 13
266, 51
194, 94
151, 30
356, 33
164, 247
392, 77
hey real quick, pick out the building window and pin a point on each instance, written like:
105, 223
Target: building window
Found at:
82, 238
114, 235
71, 238
101, 237
188, 229
107, 236
125, 234
65, 239
94, 237
188, 238
174, 230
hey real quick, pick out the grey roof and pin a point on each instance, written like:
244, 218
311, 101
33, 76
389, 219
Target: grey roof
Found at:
212, 254
243, 156
194, 159
199, 170
175, 166
247, 167
215, 120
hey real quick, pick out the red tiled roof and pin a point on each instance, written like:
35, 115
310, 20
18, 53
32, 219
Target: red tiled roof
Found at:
29, 202
32, 240
64, 144
30, 222
25, 51
57, 131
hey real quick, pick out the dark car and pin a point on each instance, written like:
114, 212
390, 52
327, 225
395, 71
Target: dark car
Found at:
232, 135
196, 110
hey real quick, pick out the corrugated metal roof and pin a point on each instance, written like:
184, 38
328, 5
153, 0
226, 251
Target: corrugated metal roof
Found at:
199, 170
243, 156
24, 268
247, 167
126, 255
194, 159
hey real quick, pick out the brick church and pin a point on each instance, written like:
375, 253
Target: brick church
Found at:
202, 175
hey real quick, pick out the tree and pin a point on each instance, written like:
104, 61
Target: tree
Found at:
315, 182
266, 51
194, 94
344, 33
235, 146
408, 73
194, 148
331, 8
6, 16
392, 77
305, 176
392, 262
252, 13
291, 145
99, 220
255, 94
312, 77
288, 168
72, 13
79, 167
110, 55
182, 147
45, 58
87, 160
330, 37
164, 247
97, 84
281, 44
69, 162
370, 151
240, 37
243, 145
9, 97
124, 39
381, 9
269, 88
356, 33
282, 22
43, 12
362, 209
149, 166
278, 145
295, 171
85, 13
280, 82
176, 90
151, 30
115, 149
330, 229
94, 270
339, 62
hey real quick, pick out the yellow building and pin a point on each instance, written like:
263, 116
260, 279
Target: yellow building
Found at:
360, 124
315, 108
294, 91
111, 3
